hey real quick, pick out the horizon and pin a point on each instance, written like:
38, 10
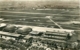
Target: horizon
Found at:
40, 0
40, 3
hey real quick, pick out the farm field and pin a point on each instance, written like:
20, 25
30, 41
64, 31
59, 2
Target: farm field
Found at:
38, 17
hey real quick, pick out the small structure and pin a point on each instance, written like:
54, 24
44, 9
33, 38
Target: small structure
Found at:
36, 33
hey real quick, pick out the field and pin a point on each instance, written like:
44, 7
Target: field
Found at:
38, 17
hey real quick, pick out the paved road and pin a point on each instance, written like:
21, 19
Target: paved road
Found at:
44, 29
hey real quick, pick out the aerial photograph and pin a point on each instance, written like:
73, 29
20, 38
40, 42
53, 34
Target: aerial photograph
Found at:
39, 24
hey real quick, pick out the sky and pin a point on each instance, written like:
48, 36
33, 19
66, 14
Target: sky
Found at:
40, 0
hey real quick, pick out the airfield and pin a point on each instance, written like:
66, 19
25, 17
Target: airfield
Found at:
38, 17
67, 19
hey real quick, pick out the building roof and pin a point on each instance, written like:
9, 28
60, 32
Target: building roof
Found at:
34, 32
